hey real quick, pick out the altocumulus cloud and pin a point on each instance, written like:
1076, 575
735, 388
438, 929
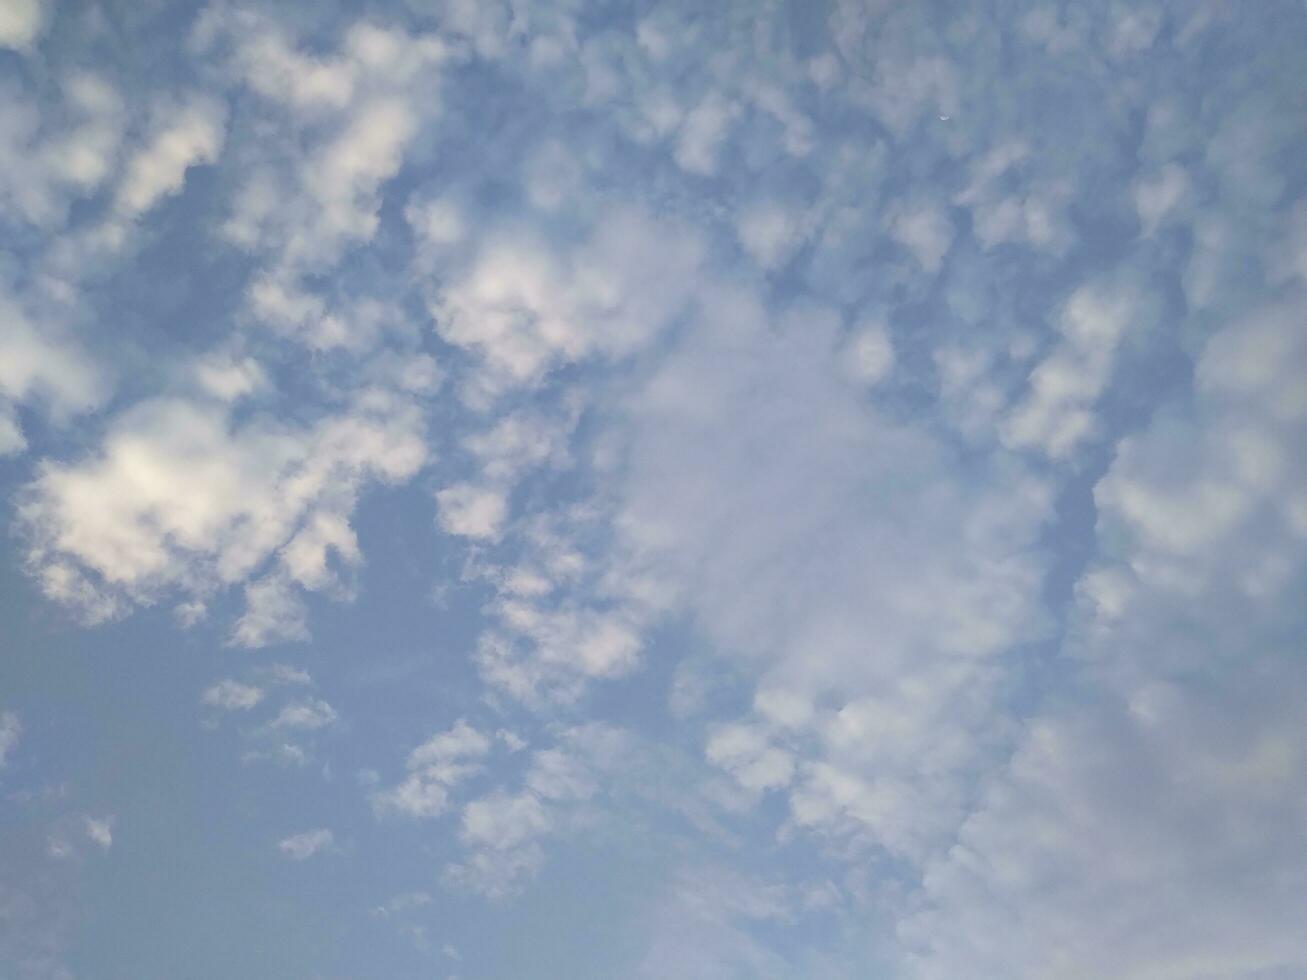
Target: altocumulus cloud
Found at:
790, 490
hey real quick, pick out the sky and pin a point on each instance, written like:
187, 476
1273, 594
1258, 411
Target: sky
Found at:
591, 489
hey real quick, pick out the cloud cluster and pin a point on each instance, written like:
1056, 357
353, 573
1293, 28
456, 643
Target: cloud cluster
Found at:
891, 412
182, 501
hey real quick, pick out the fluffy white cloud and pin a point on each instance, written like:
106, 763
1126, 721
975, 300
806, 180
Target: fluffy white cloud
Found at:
183, 137
1057, 413
21, 22
228, 378
49, 159
38, 363
346, 120
302, 846
232, 695
472, 511
180, 498
525, 307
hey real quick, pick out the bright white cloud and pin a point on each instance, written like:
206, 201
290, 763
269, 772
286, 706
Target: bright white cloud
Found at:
180, 498
183, 137
525, 308
21, 22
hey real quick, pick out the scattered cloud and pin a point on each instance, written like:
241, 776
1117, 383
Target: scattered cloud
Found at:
229, 695
11, 730
307, 715
302, 846
21, 22
858, 447
100, 831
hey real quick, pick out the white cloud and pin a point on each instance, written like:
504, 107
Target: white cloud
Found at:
232, 695
435, 768
1157, 197
770, 232
470, 511
1057, 413
1184, 492
520, 441
286, 674
745, 752
12, 439
183, 137
308, 715
38, 364
925, 231
21, 22
711, 922
100, 831
542, 652
274, 613
345, 177
702, 134
228, 378
302, 846
11, 730
524, 306
869, 353
783, 514
503, 831
50, 158
180, 498
277, 71
1141, 828
346, 120
1035, 216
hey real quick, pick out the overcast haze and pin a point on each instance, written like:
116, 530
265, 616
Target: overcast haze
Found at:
562, 489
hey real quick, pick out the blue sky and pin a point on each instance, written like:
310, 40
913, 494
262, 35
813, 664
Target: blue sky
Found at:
564, 489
